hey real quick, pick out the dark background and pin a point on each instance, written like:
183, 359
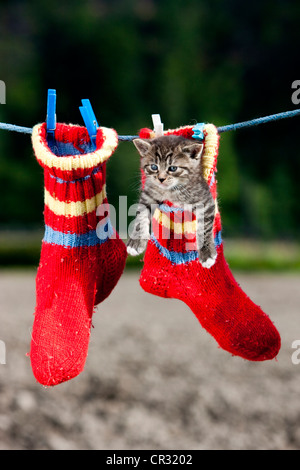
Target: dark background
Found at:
191, 61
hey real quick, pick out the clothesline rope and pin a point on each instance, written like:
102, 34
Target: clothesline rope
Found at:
230, 127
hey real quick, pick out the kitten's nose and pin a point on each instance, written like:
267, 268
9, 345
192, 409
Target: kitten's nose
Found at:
161, 179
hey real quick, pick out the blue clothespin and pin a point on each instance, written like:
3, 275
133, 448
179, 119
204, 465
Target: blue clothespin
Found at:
51, 112
90, 120
198, 131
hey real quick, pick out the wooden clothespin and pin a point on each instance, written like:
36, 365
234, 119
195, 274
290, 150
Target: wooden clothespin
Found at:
157, 125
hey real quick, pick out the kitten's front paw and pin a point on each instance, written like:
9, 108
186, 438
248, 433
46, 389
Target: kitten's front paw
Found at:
207, 260
136, 247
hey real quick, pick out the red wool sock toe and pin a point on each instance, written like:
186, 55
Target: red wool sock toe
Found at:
172, 269
82, 257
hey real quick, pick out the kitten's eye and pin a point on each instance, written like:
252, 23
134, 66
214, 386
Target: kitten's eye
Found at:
154, 167
172, 168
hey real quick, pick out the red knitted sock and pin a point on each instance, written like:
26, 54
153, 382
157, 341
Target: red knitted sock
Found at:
82, 257
172, 269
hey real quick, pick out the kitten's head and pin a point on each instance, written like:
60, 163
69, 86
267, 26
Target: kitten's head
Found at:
169, 161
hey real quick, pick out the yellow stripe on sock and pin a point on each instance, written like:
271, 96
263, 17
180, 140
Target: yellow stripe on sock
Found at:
210, 150
177, 227
73, 209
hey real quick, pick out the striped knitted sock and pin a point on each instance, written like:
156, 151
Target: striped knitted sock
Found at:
172, 269
82, 257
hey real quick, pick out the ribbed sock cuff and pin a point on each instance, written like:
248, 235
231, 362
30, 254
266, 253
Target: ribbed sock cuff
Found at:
70, 155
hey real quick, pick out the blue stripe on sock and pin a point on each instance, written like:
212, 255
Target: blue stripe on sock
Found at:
79, 180
218, 239
73, 240
177, 257
174, 256
170, 209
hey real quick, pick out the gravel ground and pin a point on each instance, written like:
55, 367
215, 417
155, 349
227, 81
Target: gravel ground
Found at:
154, 379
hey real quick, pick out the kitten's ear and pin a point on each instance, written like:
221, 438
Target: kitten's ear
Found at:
143, 146
193, 149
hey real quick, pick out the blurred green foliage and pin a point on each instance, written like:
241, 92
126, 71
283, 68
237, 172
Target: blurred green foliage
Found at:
189, 60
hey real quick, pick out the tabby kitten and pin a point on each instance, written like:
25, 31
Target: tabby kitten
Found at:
172, 165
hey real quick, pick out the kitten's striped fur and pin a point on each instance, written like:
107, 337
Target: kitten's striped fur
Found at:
172, 166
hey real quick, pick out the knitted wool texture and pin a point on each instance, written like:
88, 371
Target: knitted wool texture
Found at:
172, 270
82, 257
